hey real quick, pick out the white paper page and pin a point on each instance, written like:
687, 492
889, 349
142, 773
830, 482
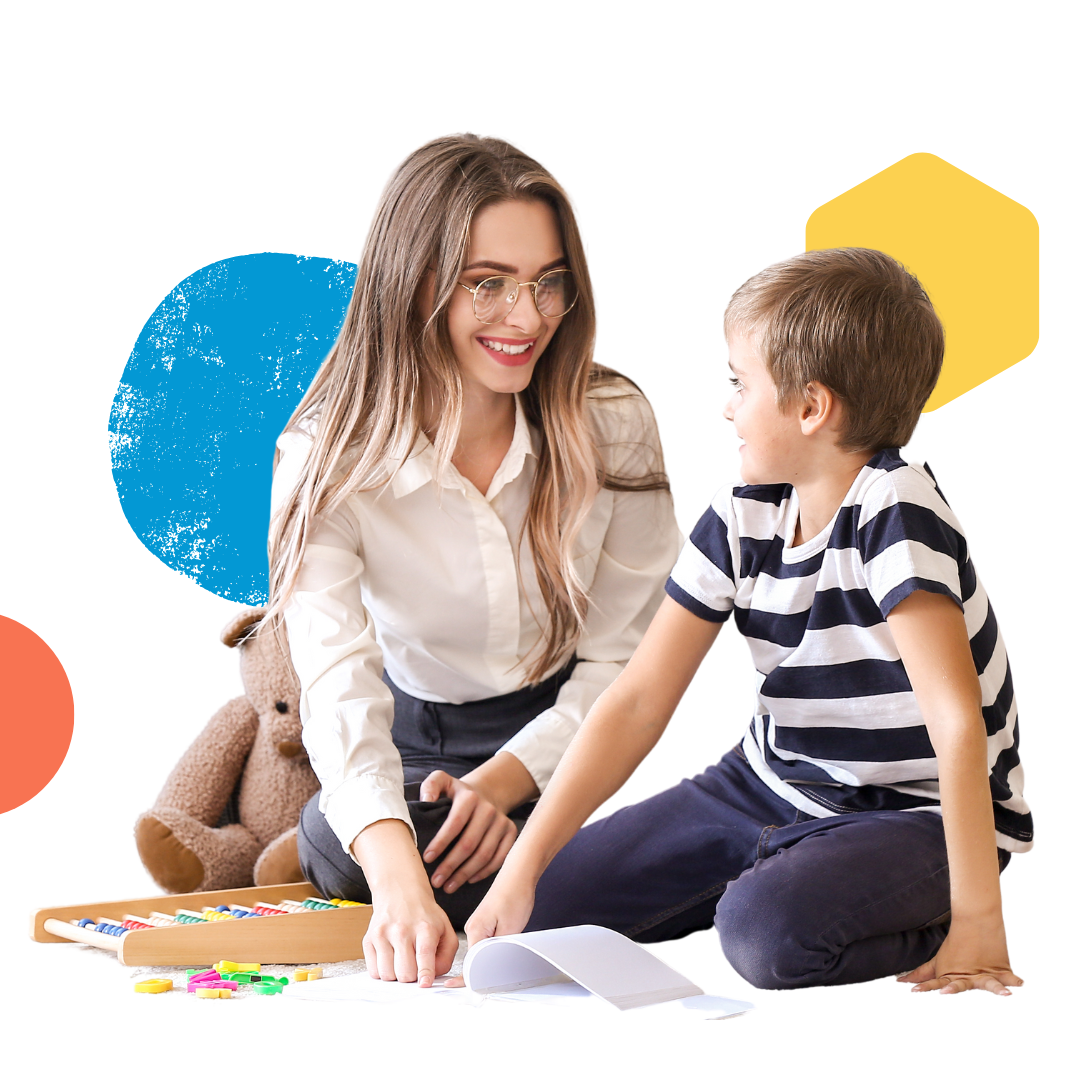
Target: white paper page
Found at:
582, 968
604, 962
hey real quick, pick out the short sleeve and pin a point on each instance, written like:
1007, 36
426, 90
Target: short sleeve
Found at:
909, 540
704, 578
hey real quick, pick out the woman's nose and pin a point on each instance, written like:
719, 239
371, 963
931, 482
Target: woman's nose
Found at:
525, 316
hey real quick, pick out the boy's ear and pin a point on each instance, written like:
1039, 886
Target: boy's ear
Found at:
819, 408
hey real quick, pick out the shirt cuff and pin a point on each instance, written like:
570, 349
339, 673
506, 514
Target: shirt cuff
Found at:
359, 802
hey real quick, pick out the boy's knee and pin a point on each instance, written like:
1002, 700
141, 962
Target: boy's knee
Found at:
760, 936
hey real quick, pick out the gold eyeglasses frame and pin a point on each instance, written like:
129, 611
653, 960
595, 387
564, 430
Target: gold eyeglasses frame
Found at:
515, 293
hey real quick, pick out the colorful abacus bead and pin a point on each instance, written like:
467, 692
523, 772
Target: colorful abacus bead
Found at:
266, 909
212, 915
102, 926
131, 922
238, 911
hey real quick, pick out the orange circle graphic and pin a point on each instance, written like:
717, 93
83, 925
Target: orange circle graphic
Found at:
37, 716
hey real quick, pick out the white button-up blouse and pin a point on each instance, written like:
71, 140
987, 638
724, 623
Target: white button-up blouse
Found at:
425, 575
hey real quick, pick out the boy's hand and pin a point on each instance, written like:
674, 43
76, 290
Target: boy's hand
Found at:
505, 910
967, 960
931, 636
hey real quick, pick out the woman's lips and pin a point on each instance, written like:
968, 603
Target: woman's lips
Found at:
506, 358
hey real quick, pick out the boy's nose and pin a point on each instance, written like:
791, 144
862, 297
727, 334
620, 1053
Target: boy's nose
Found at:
729, 408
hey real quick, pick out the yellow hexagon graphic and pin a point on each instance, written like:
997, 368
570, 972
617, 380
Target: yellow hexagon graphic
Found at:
975, 251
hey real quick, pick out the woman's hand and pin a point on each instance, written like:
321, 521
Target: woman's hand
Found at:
409, 938
486, 833
969, 959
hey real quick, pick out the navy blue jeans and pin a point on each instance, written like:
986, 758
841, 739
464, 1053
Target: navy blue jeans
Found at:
797, 900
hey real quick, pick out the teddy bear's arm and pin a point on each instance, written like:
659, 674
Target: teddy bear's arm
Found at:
204, 778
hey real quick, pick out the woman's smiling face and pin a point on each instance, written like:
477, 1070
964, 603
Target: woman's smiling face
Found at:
519, 239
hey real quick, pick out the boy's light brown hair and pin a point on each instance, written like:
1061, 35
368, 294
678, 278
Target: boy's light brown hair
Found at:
855, 321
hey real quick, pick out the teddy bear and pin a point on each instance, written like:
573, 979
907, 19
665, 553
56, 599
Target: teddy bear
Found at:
227, 815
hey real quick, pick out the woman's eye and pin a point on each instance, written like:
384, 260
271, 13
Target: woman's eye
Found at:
492, 287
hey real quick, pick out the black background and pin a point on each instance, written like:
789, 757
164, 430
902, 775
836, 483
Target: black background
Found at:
139, 640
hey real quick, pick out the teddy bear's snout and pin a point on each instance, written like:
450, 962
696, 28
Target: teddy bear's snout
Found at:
290, 749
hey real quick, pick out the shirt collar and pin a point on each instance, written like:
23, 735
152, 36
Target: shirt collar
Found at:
419, 468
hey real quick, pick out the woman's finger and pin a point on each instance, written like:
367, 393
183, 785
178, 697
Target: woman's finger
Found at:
435, 785
446, 837
466, 801
381, 964
430, 954
472, 836
405, 956
489, 856
499, 858
370, 958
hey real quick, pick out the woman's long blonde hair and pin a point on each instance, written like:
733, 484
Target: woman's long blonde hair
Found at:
389, 367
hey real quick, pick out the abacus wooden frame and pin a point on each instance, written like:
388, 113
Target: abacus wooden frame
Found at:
307, 937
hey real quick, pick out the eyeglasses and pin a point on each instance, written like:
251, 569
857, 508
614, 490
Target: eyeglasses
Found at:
554, 294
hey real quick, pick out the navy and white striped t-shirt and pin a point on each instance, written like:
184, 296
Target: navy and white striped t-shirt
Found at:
837, 727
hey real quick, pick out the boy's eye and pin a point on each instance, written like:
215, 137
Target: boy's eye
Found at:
735, 383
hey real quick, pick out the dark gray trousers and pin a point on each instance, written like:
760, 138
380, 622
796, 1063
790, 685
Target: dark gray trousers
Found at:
429, 736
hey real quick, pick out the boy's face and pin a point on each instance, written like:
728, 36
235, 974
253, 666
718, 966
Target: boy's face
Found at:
773, 445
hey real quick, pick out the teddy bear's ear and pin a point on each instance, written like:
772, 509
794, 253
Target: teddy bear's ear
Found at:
240, 628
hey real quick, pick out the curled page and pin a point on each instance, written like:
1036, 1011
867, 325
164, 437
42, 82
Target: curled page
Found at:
602, 961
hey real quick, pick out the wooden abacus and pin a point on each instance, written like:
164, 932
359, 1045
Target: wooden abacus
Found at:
301, 938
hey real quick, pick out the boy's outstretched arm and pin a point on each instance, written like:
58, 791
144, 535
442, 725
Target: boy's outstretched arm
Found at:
621, 728
932, 640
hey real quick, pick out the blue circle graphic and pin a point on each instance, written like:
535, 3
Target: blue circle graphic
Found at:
213, 378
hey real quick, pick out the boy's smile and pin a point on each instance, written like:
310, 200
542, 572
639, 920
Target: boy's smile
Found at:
773, 444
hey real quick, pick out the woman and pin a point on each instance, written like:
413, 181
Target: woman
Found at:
472, 531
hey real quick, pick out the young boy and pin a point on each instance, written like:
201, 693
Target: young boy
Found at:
859, 828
